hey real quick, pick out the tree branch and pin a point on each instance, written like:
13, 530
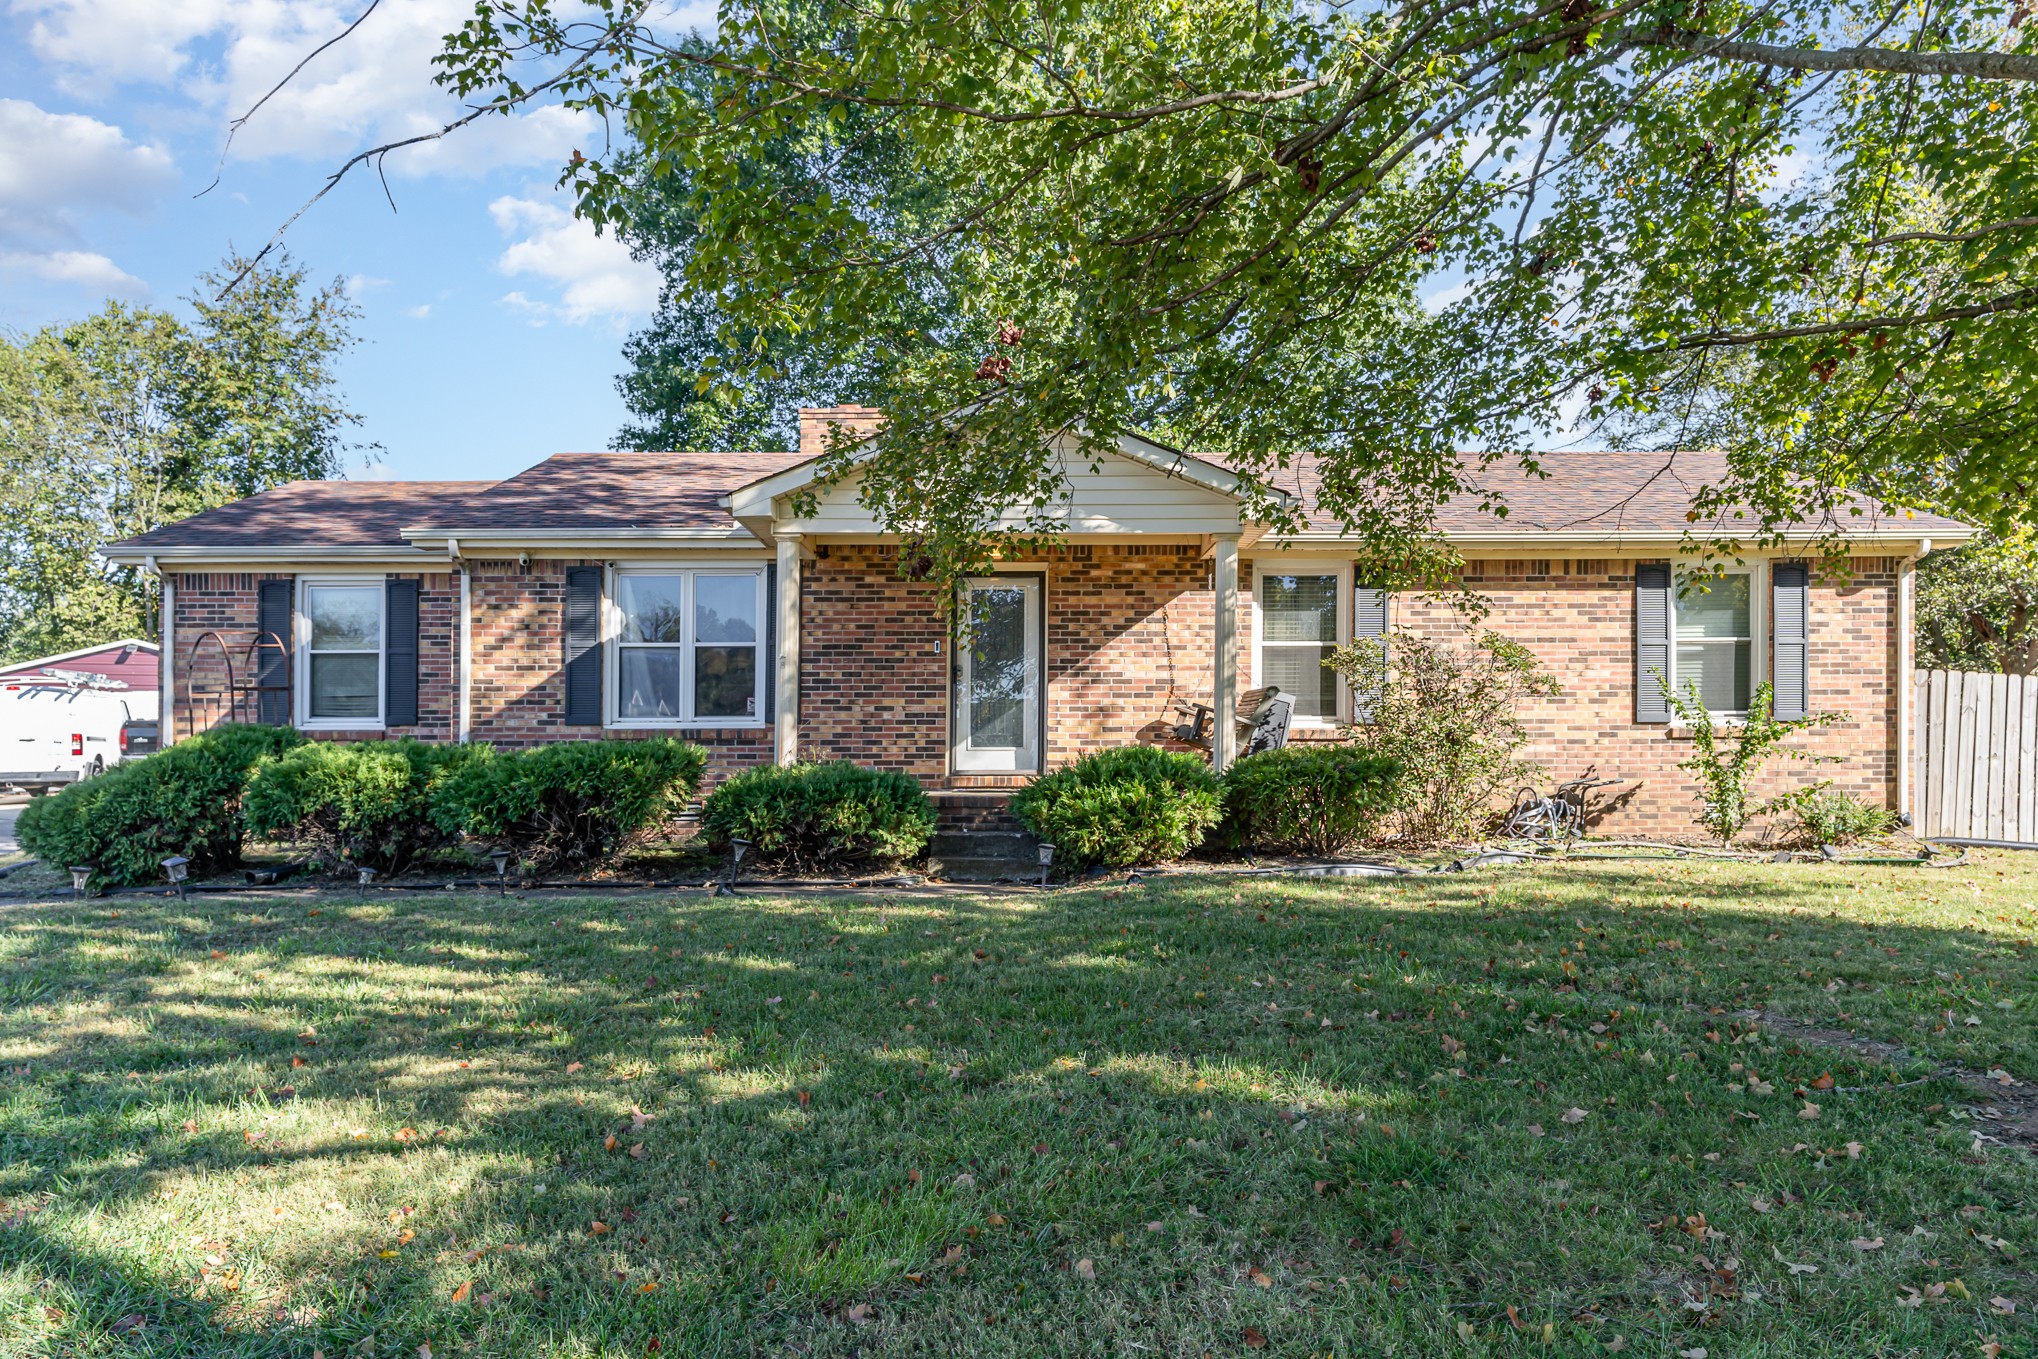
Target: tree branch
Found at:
1887, 60
2020, 300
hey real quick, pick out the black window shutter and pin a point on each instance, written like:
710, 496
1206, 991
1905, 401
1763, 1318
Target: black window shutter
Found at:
274, 604
583, 646
1369, 619
770, 658
1790, 587
400, 654
1652, 643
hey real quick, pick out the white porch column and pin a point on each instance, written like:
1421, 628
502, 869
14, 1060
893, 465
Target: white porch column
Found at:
465, 717
787, 695
166, 640
1224, 683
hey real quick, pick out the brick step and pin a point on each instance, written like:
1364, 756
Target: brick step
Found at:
966, 811
983, 855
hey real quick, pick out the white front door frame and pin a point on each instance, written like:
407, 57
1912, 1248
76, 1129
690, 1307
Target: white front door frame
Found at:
966, 756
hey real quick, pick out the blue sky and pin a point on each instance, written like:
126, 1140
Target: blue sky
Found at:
493, 320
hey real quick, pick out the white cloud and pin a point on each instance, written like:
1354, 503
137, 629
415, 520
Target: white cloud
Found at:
420, 311
360, 285
56, 166
83, 267
373, 86
595, 274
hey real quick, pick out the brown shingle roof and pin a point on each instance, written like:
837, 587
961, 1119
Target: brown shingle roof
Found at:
1593, 491
613, 491
1584, 492
313, 514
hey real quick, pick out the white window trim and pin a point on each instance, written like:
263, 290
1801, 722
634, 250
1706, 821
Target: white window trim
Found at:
1342, 568
612, 632
300, 659
1757, 573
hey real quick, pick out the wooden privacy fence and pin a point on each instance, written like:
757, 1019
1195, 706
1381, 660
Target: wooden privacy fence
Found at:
1977, 757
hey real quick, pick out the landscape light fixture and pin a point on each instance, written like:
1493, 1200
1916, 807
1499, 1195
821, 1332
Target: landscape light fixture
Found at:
367, 876
738, 847
501, 859
81, 874
1046, 862
175, 868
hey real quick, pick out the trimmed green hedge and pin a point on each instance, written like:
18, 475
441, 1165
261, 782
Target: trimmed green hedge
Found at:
364, 803
572, 803
1123, 807
1311, 799
820, 815
185, 800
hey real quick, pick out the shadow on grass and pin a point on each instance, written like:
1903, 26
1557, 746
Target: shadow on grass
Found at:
579, 1125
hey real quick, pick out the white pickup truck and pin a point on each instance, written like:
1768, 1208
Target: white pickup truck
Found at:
64, 725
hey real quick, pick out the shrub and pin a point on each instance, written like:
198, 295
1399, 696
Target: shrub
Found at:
1447, 715
1827, 817
363, 802
573, 803
1132, 805
1314, 799
185, 800
820, 815
1724, 774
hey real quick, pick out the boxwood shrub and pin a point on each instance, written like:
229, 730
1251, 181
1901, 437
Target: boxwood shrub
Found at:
812, 816
361, 803
185, 800
1309, 799
572, 803
1132, 805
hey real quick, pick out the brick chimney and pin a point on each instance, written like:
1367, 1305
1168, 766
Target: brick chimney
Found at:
816, 421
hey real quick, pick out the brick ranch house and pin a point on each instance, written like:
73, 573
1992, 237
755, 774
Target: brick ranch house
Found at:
632, 594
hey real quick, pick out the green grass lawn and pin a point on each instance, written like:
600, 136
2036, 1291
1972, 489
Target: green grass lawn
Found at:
1501, 1113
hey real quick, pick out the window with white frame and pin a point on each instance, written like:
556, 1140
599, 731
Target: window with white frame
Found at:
340, 628
1714, 623
1299, 622
689, 647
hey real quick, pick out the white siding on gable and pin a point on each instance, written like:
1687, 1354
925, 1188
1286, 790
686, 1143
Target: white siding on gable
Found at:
1121, 496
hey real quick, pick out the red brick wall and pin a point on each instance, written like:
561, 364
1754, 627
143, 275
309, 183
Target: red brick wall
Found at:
1578, 617
874, 661
1128, 630
518, 634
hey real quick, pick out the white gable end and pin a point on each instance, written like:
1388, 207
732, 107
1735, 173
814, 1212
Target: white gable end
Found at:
1111, 494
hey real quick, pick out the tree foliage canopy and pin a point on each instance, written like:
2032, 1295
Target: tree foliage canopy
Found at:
1385, 230
132, 418
1978, 606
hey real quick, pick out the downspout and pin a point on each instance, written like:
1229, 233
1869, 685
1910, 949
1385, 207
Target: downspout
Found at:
1906, 684
463, 721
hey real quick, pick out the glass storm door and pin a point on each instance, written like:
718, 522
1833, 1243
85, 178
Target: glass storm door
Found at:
997, 689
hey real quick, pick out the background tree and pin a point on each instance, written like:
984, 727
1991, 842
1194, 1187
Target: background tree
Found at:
131, 418
1226, 213
704, 376
1978, 606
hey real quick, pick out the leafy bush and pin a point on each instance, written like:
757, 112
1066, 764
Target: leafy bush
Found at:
576, 802
1314, 799
363, 802
1825, 816
820, 815
1132, 805
1447, 715
185, 800
1723, 774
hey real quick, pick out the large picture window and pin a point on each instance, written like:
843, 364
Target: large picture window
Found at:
1299, 622
689, 648
1713, 641
340, 646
